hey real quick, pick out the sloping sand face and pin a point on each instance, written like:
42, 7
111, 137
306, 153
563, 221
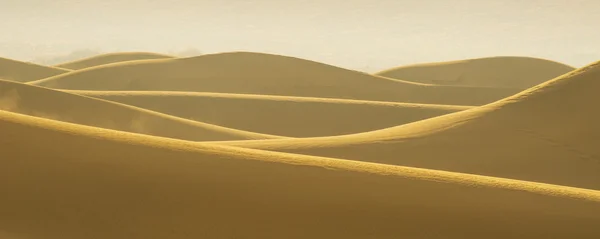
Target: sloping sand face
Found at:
57, 105
72, 181
61, 178
111, 58
279, 115
257, 73
505, 71
25, 71
549, 133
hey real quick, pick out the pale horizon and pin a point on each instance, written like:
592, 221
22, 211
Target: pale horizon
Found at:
358, 34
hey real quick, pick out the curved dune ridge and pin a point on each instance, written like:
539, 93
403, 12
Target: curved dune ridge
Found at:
502, 71
202, 147
20, 71
259, 73
52, 104
549, 133
111, 58
279, 115
74, 181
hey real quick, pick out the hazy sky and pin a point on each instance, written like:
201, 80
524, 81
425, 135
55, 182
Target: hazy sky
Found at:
359, 34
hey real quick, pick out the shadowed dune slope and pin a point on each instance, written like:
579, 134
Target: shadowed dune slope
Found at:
258, 73
65, 181
549, 133
504, 71
279, 115
111, 58
52, 104
20, 71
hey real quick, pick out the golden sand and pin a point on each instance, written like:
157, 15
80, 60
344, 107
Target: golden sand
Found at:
549, 133
62, 180
506, 71
19, 71
279, 115
258, 73
396, 159
72, 108
111, 58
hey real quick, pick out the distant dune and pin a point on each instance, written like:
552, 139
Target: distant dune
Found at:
249, 145
61, 180
52, 104
279, 115
111, 58
549, 133
505, 71
20, 71
258, 73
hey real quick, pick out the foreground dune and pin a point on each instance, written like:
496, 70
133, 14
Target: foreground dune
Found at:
279, 115
52, 104
25, 71
258, 73
549, 133
65, 181
111, 58
507, 71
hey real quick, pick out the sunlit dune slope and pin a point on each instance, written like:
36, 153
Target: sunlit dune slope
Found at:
52, 104
258, 73
111, 58
549, 133
279, 115
25, 71
503, 71
61, 180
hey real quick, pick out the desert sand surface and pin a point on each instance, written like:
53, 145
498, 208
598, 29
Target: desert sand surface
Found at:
74, 181
279, 115
501, 71
549, 133
52, 104
252, 145
260, 73
111, 58
20, 71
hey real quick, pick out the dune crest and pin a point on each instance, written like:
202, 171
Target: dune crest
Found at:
141, 145
20, 71
259, 73
501, 71
72, 108
73, 181
278, 115
110, 58
549, 133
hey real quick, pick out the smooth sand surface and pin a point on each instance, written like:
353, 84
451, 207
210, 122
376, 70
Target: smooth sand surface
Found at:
20, 71
502, 71
549, 133
279, 115
524, 166
111, 58
53, 104
65, 181
259, 73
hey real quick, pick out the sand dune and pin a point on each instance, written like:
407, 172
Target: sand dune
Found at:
279, 115
506, 71
258, 73
61, 180
111, 58
25, 71
549, 133
52, 104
